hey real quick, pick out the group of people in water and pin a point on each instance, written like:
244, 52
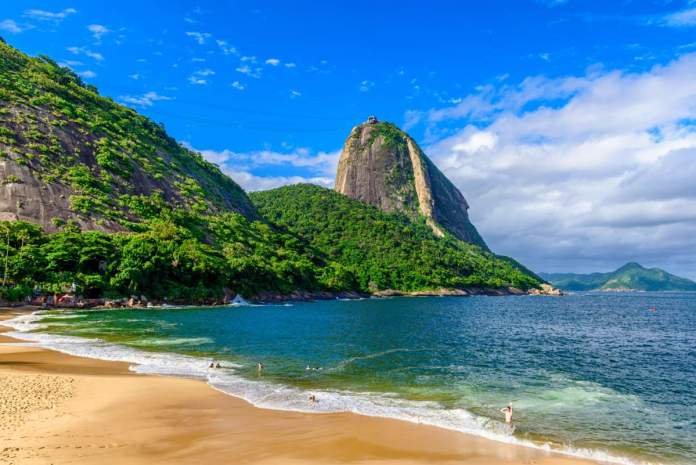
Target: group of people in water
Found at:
507, 411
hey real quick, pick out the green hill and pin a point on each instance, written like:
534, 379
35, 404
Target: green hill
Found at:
385, 250
70, 154
97, 198
630, 277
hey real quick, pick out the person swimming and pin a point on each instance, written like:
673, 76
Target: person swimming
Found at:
260, 366
217, 365
212, 365
508, 413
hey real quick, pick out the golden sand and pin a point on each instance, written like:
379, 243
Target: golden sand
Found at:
59, 409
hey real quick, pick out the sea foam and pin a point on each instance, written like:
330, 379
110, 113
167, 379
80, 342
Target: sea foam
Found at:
276, 396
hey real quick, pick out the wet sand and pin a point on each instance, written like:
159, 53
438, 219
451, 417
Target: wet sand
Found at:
59, 409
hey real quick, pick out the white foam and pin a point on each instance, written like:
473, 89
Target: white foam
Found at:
275, 396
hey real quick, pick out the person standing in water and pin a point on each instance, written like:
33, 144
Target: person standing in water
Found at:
508, 413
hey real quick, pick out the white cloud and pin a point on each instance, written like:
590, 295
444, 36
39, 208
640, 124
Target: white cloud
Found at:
135, 76
682, 18
44, 15
238, 85
366, 85
199, 37
225, 48
145, 100
250, 59
98, 31
251, 72
290, 65
241, 166
251, 182
198, 77
9, 25
295, 93
88, 74
84, 51
273, 61
580, 172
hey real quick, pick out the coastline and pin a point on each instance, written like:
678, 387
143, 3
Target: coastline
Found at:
265, 298
81, 410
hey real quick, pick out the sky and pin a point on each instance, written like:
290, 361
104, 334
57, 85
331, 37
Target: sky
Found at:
569, 125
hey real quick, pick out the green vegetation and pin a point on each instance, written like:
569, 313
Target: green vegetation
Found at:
172, 227
384, 251
185, 258
59, 130
630, 277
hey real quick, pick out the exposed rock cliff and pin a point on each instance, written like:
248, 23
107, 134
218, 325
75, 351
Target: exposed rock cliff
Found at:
383, 166
70, 154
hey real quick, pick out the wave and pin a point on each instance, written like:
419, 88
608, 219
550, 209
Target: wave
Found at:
275, 396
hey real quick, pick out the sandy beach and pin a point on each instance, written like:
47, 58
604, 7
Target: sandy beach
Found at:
57, 409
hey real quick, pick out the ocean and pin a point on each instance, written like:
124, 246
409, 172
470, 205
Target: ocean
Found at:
609, 376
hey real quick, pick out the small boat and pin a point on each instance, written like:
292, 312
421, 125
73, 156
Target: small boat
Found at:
239, 301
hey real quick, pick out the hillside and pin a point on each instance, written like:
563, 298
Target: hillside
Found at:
98, 200
382, 165
70, 154
630, 277
382, 250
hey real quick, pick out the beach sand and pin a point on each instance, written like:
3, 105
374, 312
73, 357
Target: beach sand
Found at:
59, 409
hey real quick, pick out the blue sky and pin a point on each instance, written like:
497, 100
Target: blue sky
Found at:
568, 125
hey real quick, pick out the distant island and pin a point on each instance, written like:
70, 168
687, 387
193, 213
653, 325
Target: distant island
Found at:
630, 277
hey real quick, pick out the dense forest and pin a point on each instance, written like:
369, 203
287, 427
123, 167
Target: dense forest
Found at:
385, 251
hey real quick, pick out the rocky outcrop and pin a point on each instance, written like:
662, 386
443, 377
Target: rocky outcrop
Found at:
383, 166
68, 154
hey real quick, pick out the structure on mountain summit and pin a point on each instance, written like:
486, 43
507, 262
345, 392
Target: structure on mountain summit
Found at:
382, 165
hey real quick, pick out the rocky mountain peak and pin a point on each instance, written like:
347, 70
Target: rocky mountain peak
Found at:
382, 165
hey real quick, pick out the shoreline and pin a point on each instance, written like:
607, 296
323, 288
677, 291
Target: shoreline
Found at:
269, 298
160, 410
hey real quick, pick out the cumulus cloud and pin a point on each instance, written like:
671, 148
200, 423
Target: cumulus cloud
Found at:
244, 167
295, 93
249, 71
9, 25
366, 85
226, 48
86, 52
88, 74
98, 31
273, 61
290, 65
580, 172
199, 37
199, 77
145, 100
682, 18
251, 182
43, 15
238, 85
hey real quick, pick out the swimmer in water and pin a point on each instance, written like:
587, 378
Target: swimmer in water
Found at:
260, 366
312, 399
508, 413
217, 365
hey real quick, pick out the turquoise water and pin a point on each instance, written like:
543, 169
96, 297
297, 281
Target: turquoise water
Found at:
598, 375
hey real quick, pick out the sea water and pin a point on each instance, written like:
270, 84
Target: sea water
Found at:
607, 376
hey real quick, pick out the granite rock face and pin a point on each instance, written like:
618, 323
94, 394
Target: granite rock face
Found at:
383, 166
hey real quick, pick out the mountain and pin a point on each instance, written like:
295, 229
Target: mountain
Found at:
630, 277
98, 200
382, 165
386, 250
70, 154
